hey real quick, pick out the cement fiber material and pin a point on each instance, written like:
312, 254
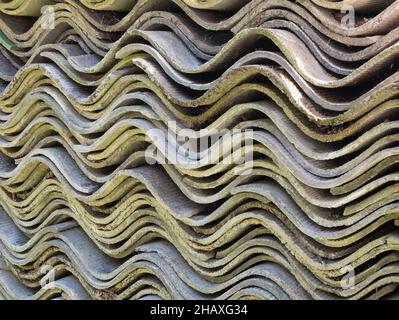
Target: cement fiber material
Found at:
90, 209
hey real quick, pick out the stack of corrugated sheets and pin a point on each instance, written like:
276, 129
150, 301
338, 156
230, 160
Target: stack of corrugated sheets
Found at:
93, 206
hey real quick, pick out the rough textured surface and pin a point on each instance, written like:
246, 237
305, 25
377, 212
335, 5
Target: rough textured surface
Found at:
86, 212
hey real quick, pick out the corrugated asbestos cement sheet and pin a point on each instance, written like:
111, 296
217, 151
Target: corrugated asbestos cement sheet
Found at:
199, 149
